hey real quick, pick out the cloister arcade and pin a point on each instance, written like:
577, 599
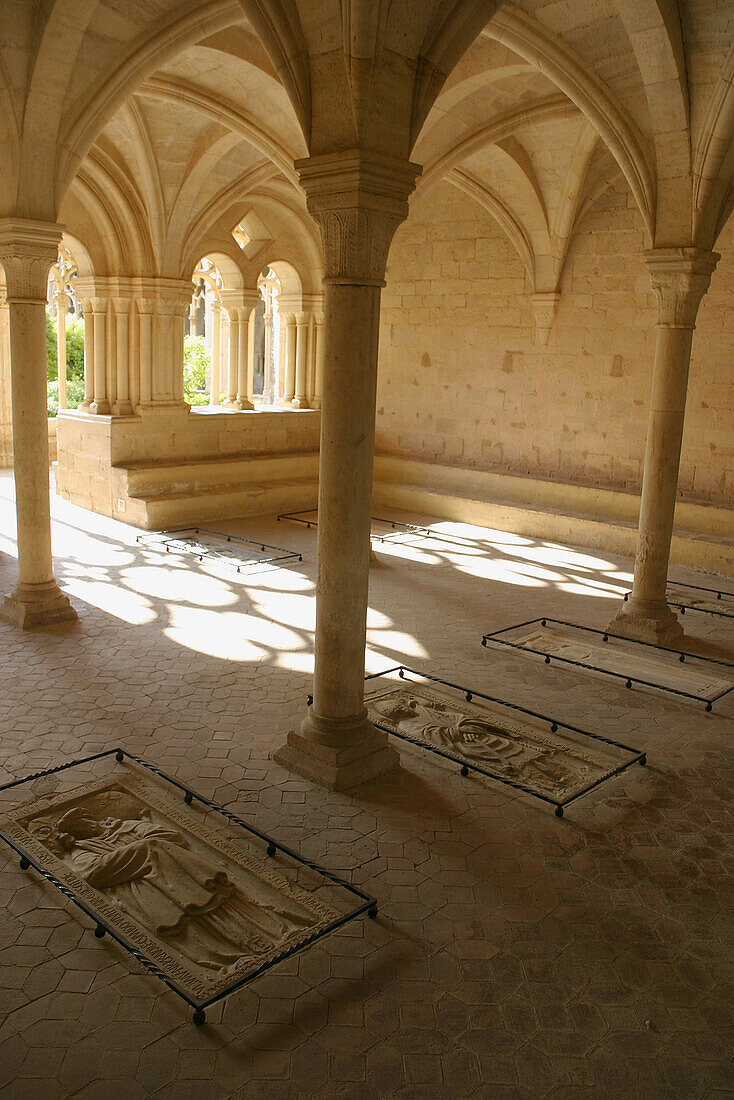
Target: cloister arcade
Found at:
446, 257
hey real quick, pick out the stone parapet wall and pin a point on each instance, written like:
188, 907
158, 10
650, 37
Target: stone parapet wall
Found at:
101, 457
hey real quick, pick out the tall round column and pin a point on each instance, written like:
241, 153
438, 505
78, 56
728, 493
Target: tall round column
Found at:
27, 250
358, 201
680, 277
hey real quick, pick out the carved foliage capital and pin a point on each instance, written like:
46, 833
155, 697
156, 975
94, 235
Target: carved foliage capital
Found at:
27, 251
357, 200
680, 277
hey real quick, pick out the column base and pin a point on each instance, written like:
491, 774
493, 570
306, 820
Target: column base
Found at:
243, 404
644, 621
122, 408
299, 403
335, 756
100, 408
32, 605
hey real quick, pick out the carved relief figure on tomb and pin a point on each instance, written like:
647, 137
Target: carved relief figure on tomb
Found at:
150, 871
507, 750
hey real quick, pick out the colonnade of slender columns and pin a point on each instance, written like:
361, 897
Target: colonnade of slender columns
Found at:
358, 202
302, 337
133, 343
27, 251
240, 307
680, 277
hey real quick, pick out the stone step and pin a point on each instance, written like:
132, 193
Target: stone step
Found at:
189, 508
695, 550
150, 480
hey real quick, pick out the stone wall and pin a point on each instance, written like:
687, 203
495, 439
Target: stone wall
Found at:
116, 465
465, 382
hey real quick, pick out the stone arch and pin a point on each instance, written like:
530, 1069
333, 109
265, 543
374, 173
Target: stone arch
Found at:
80, 254
527, 38
290, 281
141, 60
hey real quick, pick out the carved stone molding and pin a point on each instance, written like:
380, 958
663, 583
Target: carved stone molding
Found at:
27, 251
357, 200
545, 304
679, 277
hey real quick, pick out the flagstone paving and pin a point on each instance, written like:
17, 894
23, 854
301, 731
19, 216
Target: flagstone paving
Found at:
514, 955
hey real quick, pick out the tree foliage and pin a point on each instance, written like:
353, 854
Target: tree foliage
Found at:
197, 363
74, 362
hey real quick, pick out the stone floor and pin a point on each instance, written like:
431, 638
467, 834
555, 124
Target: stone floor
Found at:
515, 954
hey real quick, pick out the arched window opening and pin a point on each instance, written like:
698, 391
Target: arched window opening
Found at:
64, 336
203, 343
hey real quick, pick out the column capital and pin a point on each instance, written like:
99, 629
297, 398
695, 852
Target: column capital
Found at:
239, 300
679, 277
545, 305
358, 200
27, 251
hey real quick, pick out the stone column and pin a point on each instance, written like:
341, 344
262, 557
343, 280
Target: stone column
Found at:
234, 351
27, 250
6, 410
288, 321
145, 308
680, 277
216, 321
100, 405
244, 358
268, 370
300, 401
318, 383
358, 200
61, 300
123, 405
